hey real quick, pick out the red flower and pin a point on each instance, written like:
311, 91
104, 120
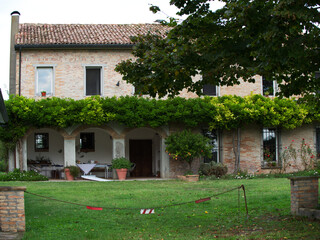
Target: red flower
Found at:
292, 140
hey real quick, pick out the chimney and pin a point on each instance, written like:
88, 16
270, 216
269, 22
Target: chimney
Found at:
14, 30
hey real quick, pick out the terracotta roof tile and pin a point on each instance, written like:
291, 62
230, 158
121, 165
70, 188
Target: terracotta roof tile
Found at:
57, 34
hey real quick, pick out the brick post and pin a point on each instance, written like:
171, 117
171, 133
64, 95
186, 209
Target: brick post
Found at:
12, 215
304, 193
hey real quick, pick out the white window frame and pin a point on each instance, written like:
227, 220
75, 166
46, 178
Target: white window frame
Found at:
274, 85
37, 91
93, 66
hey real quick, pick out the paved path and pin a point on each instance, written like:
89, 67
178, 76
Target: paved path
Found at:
11, 235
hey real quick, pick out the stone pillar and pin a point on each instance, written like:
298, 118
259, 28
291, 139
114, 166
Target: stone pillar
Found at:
12, 214
25, 153
69, 152
164, 160
118, 148
11, 160
304, 193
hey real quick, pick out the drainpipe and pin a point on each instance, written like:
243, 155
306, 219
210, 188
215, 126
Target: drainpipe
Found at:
14, 30
20, 71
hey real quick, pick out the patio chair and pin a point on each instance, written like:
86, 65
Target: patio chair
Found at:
131, 169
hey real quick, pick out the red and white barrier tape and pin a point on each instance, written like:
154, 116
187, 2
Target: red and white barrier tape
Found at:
147, 211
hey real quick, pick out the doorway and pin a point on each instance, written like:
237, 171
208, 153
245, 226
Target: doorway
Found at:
140, 153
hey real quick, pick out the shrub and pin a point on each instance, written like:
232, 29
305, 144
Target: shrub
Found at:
185, 146
74, 171
213, 169
16, 175
122, 162
3, 166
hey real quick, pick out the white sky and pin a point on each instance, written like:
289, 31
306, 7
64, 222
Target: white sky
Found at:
74, 11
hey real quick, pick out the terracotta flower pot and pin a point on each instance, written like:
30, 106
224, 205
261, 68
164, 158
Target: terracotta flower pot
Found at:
122, 173
68, 174
43, 94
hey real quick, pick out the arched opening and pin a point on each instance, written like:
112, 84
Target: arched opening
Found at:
45, 152
93, 144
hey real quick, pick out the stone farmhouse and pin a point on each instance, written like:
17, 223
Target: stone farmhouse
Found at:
78, 60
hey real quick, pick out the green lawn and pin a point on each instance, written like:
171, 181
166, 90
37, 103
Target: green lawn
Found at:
268, 203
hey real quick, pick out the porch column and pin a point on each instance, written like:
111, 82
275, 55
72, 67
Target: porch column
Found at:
164, 160
11, 160
69, 151
16, 165
118, 148
24, 153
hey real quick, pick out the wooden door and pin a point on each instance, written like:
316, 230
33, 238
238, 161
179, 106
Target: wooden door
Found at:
140, 153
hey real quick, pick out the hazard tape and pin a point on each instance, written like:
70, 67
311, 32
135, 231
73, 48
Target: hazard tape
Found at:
95, 208
147, 211
203, 200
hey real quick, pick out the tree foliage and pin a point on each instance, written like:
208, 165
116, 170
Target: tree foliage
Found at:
276, 39
186, 146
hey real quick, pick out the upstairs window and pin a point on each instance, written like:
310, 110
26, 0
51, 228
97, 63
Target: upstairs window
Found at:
214, 137
210, 90
87, 142
44, 80
267, 87
41, 142
270, 147
93, 81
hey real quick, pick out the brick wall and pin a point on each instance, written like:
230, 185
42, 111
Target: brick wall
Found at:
304, 193
69, 73
12, 214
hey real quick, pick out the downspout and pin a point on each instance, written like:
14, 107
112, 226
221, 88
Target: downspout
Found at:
20, 71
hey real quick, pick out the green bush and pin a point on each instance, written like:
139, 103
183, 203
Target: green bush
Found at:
122, 162
16, 175
213, 169
3, 166
186, 146
74, 171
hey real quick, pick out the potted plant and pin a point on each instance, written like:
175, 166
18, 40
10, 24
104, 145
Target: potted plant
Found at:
121, 165
43, 93
71, 172
186, 146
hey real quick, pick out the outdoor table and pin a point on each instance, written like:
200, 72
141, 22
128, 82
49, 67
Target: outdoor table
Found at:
106, 167
86, 167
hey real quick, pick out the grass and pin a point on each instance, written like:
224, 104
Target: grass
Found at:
221, 217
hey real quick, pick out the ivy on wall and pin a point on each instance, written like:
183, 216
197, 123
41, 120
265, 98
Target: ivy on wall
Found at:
227, 112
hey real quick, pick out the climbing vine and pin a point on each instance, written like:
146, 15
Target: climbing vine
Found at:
227, 112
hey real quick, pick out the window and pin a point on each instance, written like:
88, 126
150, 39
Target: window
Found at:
41, 142
87, 142
210, 90
318, 142
44, 80
93, 81
267, 87
214, 137
270, 147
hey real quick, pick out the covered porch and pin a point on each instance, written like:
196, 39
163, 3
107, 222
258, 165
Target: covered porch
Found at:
49, 150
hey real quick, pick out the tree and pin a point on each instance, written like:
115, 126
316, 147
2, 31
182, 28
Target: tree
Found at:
277, 39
